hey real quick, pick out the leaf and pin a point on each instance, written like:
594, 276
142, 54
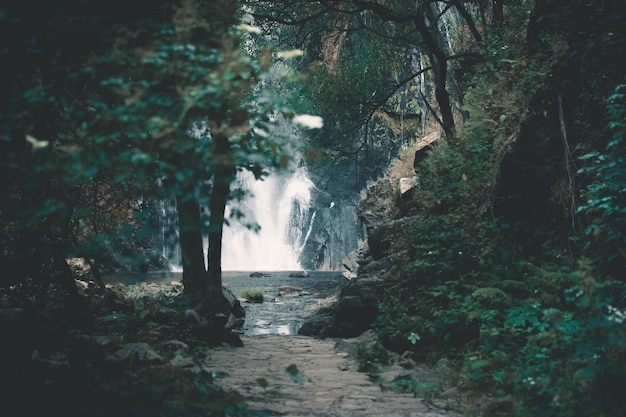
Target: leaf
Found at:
295, 374
262, 382
219, 374
413, 337
36, 143
140, 351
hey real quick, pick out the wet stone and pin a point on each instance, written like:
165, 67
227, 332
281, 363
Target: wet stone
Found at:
328, 384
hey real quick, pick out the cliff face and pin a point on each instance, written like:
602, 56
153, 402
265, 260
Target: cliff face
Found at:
539, 180
335, 227
334, 230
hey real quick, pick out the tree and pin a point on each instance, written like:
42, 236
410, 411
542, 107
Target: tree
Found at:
398, 25
156, 98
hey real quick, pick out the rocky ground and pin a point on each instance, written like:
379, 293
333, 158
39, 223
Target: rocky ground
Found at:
304, 376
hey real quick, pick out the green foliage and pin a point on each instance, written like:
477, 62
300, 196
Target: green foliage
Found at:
122, 363
560, 359
536, 321
295, 374
370, 358
605, 196
253, 295
105, 115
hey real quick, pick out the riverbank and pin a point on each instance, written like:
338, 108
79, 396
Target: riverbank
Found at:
288, 296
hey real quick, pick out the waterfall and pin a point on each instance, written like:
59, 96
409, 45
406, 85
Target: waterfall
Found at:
280, 206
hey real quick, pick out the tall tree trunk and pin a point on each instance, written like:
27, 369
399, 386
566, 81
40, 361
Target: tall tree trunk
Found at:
440, 65
223, 174
190, 236
498, 12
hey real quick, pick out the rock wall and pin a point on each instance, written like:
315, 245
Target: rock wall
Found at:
335, 228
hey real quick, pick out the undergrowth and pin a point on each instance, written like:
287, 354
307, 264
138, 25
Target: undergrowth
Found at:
534, 315
132, 355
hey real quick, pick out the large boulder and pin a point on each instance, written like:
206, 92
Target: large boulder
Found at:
424, 148
351, 261
349, 315
357, 307
237, 312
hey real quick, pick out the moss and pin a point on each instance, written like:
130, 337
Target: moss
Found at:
252, 295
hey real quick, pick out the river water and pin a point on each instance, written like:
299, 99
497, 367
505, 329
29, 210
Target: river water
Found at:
281, 312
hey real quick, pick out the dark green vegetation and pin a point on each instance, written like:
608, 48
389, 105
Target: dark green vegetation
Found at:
135, 358
107, 110
513, 256
510, 258
253, 295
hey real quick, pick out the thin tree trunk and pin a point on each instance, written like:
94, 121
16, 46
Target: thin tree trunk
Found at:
440, 65
190, 237
219, 194
498, 12
223, 175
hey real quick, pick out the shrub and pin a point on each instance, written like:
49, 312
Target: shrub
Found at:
253, 295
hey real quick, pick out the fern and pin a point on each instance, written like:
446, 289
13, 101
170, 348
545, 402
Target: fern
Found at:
490, 293
518, 288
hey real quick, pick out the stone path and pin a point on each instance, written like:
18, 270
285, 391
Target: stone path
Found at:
327, 383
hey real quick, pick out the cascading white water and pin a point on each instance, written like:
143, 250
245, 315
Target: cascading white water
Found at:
280, 206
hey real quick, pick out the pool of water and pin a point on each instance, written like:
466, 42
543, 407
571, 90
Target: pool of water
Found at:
280, 313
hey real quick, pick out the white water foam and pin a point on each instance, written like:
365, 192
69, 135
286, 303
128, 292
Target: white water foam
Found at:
280, 205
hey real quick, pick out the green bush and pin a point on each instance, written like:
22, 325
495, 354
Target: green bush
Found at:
253, 295
538, 333
605, 196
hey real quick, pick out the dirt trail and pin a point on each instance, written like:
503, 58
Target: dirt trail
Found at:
330, 383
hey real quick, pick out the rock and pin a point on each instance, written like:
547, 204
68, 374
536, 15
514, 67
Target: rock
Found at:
351, 314
299, 274
449, 393
348, 275
351, 261
382, 235
135, 351
395, 373
358, 305
406, 360
316, 324
319, 318
424, 148
259, 274
443, 369
184, 362
234, 323
288, 289
351, 345
407, 184
374, 207
175, 345
236, 309
80, 268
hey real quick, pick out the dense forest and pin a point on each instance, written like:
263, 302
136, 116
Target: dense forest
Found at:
507, 254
